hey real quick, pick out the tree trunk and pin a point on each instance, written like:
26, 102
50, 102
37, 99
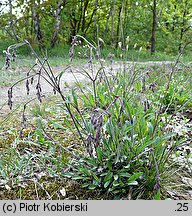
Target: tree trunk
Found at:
36, 21
118, 26
27, 24
183, 26
90, 21
125, 23
95, 21
57, 23
154, 26
83, 17
107, 20
11, 21
112, 23
80, 18
121, 25
73, 26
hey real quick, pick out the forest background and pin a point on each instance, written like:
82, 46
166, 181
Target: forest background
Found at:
161, 26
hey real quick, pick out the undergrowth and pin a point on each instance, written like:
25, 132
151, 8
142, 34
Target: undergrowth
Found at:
116, 135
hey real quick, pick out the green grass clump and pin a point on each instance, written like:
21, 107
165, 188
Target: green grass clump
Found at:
114, 133
128, 150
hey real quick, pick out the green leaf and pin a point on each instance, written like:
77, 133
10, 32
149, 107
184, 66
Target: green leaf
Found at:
127, 166
108, 176
109, 165
107, 184
134, 177
124, 174
95, 177
150, 128
158, 195
103, 174
132, 183
68, 175
85, 171
108, 128
99, 154
116, 183
116, 192
100, 69
92, 162
39, 123
134, 119
57, 125
79, 177
74, 97
85, 185
38, 133
115, 177
60, 75
92, 186
168, 136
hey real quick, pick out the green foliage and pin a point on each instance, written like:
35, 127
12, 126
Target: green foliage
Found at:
124, 160
113, 21
106, 174
114, 128
178, 96
132, 146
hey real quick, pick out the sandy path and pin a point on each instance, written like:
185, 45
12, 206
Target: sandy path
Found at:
19, 91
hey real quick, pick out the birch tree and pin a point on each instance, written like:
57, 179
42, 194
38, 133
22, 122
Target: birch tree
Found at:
36, 20
12, 24
154, 26
60, 5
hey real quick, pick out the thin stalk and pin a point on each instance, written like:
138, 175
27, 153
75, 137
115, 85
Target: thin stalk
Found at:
90, 44
41, 63
72, 117
94, 91
168, 85
23, 80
